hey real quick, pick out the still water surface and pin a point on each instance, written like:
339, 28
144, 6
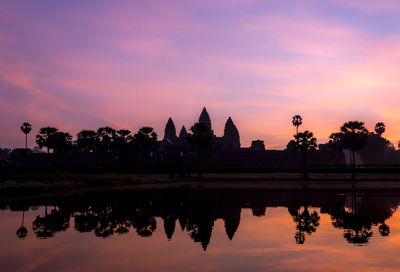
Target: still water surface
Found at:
202, 230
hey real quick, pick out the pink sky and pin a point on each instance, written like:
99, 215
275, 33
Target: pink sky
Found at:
85, 64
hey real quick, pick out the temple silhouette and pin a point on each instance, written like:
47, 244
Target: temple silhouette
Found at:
113, 150
226, 151
229, 141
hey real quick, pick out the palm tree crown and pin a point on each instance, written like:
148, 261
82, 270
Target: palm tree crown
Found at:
380, 128
305, 141
297, 121
354, 135
26, 128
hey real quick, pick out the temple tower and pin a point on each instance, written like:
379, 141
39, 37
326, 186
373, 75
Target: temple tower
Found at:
170, 131
231, 138
169, 226
183, 135
205, 118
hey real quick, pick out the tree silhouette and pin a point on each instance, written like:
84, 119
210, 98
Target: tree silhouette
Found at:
86, 221
297, 121
86, 140
354, 138
306, 223
123, 144
123, 136
22, 232
380, 128
105, 138
45, 138
143, 139
335, 143
304, 142
376, 149
51, 138
357, 227
384, 229
200, 136
49, 224
291, 145
144, 223
26, 128
62, 142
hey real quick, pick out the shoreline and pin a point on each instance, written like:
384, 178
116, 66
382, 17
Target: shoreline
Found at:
28, 186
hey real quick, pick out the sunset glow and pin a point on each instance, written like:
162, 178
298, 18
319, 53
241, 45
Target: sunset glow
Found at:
84, 64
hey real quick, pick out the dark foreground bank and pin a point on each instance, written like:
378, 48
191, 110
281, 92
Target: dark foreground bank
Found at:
22, 186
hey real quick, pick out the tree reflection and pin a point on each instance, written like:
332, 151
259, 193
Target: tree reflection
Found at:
49, 224
22, 232
197, 211
357, 227
365, 212
306, 223
85, 221
384, 230
144, 223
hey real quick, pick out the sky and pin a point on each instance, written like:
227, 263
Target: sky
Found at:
83, 64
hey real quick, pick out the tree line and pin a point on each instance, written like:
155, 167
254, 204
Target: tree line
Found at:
352, 136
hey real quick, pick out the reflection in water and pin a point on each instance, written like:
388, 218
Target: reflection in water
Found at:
197, 210
360, 214
49, 224
22, 232
306, 222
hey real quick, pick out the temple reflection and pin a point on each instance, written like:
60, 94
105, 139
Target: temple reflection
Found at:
196, 211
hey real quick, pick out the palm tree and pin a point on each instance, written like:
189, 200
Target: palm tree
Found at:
297, 121
105, 136
306, 223
123, 144
26, 128
22, 232
200, 136
123, 135
357, 226
354, 138
384, 229
380, 128
144, 138
304, 142
335, 144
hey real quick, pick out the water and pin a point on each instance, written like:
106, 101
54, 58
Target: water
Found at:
202, 230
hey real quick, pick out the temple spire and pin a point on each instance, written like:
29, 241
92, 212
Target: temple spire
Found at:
170, 131
183, 135
231, 135
205, 118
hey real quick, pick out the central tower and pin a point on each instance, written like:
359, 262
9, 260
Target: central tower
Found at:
205, 118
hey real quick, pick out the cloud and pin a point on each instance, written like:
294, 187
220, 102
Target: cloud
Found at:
138, 64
